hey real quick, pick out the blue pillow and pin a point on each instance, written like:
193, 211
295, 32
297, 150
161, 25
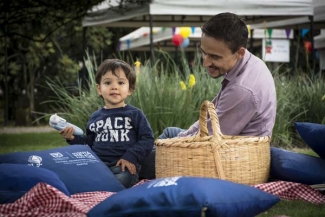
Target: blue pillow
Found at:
17, 179
313, 135
77, 166
186, 197
296, 167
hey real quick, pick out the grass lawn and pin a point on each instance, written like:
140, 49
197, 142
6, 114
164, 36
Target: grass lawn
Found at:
41, 141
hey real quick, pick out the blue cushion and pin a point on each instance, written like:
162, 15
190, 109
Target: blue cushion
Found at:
186, 197
296, 167
313, 135
77, 166
17, 179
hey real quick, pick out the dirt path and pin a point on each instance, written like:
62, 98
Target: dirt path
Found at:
13, 130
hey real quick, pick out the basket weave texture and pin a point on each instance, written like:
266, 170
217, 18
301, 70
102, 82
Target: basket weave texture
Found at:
241, 159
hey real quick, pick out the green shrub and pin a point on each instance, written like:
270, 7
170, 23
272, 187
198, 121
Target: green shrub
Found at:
164, 102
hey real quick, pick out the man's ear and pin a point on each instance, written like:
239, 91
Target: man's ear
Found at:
241, 52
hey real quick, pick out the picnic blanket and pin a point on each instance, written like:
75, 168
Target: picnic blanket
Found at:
45, 200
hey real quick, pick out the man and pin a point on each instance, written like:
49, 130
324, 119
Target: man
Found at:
246, 103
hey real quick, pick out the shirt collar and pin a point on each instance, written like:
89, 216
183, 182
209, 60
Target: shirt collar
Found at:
236, 70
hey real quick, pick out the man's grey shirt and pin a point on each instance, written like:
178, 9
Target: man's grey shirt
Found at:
247, 104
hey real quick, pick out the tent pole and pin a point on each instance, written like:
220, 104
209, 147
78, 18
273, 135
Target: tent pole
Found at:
6, 77
311, 18
84, 47
151, 42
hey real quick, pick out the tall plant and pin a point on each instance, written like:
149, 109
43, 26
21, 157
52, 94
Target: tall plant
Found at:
171, 97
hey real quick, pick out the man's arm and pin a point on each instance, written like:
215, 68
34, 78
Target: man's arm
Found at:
235, 109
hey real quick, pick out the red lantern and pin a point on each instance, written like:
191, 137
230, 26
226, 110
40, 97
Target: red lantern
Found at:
307, 46
177, 39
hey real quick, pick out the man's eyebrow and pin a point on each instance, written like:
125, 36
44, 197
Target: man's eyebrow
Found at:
216, 55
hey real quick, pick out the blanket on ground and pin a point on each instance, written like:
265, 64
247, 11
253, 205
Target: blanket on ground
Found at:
45, 200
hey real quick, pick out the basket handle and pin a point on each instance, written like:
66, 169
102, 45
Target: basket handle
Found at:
208, 107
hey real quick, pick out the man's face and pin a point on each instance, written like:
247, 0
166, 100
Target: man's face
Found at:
217, 57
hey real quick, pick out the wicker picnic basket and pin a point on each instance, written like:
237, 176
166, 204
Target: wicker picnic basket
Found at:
241, 159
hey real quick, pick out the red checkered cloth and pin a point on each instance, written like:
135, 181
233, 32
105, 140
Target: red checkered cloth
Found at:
45, 200
292, 191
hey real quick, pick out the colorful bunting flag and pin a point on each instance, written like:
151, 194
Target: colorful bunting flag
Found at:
288, 31
173, 30
128, 42
304, 32
269, 32
118, 46
193, 29
249, 29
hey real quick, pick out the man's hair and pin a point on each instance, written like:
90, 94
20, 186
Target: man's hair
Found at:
229, 28
114, 64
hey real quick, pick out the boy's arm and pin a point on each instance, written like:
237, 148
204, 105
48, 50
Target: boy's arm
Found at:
144, 143
87, 139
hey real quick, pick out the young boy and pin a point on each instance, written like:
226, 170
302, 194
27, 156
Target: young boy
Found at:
118, 133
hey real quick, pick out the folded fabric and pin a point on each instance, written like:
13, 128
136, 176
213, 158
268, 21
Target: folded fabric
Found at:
296, 167
17, 179
77, 166
45, 200
292, 191
186, 197
313, 135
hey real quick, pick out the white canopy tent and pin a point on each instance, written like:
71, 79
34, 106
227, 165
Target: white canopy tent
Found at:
138, 40
170, 13
318, 18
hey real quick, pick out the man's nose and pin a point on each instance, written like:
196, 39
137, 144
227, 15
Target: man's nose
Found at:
207, 61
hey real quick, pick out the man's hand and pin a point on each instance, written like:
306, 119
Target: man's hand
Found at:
67, 133
127, 164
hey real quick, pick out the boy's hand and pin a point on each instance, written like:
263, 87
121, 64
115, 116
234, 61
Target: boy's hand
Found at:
67, 133
127, 164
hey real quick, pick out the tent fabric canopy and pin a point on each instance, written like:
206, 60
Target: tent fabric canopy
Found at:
171, 13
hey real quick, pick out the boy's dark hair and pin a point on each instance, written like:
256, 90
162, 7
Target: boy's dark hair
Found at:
114, 64
229, 28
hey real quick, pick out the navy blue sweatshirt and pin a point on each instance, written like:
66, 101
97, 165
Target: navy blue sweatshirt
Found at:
119, 133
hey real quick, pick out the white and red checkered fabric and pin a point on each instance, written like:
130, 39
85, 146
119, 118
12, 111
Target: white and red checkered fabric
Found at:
45, 200
292, 191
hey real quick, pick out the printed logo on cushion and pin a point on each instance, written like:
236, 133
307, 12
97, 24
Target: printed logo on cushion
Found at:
78, 158
164, 182
35, 160
57, 154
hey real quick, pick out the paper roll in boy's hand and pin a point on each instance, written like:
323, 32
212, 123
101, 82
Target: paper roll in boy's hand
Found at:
59, 123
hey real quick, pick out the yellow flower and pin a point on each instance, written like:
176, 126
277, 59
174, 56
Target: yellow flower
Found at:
323, 98
137, 67
191, 82
183, 86
137, 63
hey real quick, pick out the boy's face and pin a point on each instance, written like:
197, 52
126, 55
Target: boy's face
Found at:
217, 57
114, 89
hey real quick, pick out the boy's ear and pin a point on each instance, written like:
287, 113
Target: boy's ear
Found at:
130, 92
98, 89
